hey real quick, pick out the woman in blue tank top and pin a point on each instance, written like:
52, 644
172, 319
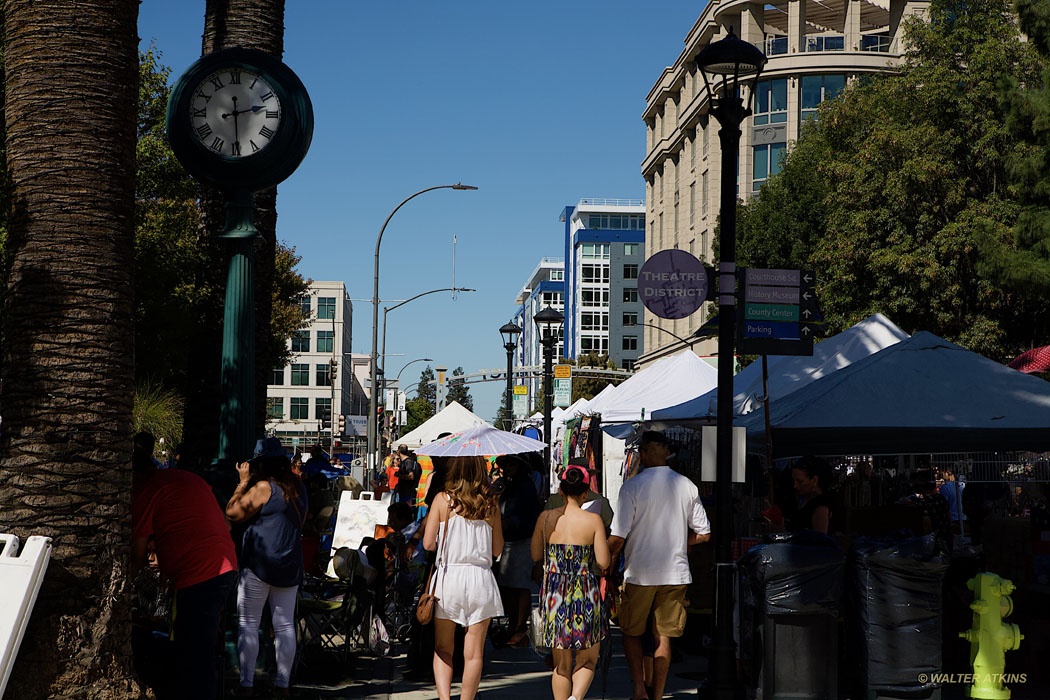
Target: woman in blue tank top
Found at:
272, 500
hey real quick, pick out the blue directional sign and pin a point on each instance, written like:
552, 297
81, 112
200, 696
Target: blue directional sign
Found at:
769, 329
778, 308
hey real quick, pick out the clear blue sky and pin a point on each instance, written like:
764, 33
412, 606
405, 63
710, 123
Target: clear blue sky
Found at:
538, 104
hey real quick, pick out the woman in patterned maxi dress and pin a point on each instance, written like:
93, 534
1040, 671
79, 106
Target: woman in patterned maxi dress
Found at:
572, 546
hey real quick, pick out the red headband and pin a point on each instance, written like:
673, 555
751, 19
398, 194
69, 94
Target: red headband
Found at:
586, 476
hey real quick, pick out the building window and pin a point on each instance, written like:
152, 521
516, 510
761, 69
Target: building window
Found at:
825, 42
631, 248
301, 341
594, 343
274, 408
300, 409
776, 45
326, 308
817, 89
630, 318
323, 409
771, 101
630, 295
277, 379
630, 272
321, 373
594, 274
595, 251
766, 163
557, 275
630, 342
692, 153
324, 341
590, 321
703, 194
304, 305
875, 42
627, 364
692, 202
594, 297
551, 298
300, 375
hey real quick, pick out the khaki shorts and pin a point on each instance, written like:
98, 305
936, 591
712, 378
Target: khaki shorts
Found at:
665, 603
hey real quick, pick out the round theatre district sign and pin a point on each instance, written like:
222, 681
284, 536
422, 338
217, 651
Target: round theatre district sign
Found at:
672, 284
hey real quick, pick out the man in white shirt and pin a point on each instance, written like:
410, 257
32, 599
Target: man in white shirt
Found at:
659, 515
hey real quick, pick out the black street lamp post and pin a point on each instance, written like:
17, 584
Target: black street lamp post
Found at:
728, 62
546, 320
510, 333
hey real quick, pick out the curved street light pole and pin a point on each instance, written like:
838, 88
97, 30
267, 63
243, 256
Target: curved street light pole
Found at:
388, 309
374, 356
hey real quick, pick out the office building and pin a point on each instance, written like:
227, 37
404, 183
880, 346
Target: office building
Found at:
814, 49
604, 249
301, 395
544, 287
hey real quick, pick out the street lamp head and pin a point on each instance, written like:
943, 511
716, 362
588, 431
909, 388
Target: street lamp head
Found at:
546, 320
510, 333
461, 186
733, 59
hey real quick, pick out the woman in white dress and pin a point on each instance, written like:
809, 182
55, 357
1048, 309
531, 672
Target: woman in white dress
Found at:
464, 527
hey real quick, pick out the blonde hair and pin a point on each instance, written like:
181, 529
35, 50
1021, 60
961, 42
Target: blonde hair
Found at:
467, 486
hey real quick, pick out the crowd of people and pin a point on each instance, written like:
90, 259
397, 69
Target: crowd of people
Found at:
491, 534
184, 540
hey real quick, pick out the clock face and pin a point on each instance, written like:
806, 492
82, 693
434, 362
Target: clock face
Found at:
234, 113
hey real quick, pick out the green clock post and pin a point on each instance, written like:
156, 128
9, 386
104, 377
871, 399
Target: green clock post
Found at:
239, 120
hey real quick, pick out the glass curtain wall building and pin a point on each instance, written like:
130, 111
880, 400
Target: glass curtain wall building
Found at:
604, 249
815, 49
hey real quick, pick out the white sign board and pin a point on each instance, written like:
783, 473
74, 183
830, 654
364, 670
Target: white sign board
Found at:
357, 519
21, 576
521, 405
709, 453
563, 392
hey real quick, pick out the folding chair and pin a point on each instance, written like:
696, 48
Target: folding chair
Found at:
332, 615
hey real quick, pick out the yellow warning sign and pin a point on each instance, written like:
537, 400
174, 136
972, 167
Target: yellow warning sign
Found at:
562, 371
521, 390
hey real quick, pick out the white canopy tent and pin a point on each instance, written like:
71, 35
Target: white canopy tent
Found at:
788, 374
453, 418
668, 382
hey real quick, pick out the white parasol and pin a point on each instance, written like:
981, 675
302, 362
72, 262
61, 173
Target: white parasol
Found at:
481, 440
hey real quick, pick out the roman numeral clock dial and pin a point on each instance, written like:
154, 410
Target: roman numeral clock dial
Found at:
239, 119
235, 113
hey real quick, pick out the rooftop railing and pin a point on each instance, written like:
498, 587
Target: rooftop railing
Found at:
605, 202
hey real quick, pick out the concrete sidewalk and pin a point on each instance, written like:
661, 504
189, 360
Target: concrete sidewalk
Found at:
517, 673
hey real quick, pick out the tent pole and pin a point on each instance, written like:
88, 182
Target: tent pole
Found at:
769, 436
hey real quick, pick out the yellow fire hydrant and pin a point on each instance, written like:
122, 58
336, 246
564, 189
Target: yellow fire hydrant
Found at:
990, 638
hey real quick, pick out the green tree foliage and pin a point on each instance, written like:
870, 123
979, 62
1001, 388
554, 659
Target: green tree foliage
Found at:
458, 390
1025, 265
180, 269
889, 195
427, 390
587, 387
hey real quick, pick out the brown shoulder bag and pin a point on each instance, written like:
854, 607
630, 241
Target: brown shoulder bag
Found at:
428, 601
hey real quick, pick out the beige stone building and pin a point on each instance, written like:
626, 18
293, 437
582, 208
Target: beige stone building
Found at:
814, 48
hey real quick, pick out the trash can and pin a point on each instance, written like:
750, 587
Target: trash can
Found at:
894, 597
790, 588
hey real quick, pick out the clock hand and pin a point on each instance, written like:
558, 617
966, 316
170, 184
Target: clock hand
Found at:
236, 135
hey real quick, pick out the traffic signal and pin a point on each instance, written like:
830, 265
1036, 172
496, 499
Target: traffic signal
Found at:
326, 419
340, 424
333, 370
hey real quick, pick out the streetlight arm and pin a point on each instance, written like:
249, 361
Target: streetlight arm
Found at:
651, 325
387, 309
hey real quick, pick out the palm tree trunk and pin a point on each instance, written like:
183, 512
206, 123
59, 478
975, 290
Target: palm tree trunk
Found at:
255, 24
68, 373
